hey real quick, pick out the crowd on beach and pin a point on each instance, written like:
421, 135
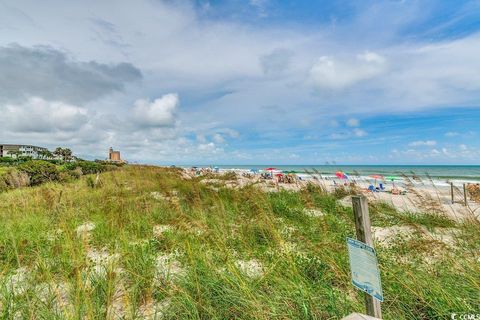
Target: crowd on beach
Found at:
404, 192
372, 183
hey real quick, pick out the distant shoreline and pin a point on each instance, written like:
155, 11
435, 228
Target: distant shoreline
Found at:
454, 173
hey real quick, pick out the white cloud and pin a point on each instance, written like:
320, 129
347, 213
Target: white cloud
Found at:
359, 132
451, 134
58, 77
423, 143
276, 62
209, 148
159, 113
39, 115
353, 122
218, 138
332, 73
339, 136
259, 81
201, 138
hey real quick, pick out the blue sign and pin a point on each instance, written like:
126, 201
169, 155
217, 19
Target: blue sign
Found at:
364, 268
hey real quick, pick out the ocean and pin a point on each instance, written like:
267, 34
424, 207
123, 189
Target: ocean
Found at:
465, 173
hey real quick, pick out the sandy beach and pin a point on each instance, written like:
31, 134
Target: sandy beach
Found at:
414, 194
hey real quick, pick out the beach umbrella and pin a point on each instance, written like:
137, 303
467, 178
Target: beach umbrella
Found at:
271, 170
254, 170
341, 175
376, 176
392, 178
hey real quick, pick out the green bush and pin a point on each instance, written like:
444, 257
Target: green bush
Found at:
39, 171
90, 167
7, 160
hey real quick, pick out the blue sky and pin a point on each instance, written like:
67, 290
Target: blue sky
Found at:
244, 82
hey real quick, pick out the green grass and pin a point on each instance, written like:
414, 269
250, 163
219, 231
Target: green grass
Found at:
305, 260
3, 170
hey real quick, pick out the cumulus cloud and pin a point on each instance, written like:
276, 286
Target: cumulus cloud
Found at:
359, 132
269, 65
45, 72
209, 148
423, 143
461, 152
333, 73
159, 113
39, 115
218, 138
352, 122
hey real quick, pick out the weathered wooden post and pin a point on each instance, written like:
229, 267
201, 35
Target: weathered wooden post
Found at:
465, 193
364, 234
451, 191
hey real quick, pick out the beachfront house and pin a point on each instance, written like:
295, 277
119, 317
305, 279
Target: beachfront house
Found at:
18, 150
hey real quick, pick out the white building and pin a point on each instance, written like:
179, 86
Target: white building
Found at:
17, 150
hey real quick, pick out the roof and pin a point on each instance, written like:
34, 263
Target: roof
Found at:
20, 145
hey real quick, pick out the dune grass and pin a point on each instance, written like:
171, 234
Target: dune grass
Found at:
162, 247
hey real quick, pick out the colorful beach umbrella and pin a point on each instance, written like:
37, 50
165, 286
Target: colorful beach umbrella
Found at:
392, 178
376, 177
271, 171
341, 175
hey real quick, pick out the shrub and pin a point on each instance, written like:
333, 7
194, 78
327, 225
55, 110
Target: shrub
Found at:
7, 160
67, 174
16, 179
39, 171
90, 167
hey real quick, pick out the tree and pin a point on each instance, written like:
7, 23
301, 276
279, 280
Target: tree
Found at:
58, 152
64, 153
44, 154
39, 171
67, 154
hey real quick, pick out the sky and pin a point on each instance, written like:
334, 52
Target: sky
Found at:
244, 82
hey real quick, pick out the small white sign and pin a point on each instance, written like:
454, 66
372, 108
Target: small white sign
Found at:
364, 268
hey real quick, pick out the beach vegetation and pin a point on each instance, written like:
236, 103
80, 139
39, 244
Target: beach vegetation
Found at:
146, 242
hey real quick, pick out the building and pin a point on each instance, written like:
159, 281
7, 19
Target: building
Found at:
19, 150
114, 156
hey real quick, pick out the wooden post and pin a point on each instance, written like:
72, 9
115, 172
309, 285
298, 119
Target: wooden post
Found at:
364, 234
451, 191
465, 194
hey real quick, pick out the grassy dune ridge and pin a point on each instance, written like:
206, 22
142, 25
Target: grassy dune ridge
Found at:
152, 245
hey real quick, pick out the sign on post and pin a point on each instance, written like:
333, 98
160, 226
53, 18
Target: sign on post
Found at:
364, 236
364, 268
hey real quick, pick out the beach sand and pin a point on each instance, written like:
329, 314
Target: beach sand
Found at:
420, 196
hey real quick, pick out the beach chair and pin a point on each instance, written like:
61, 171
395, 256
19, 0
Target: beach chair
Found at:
372, 188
